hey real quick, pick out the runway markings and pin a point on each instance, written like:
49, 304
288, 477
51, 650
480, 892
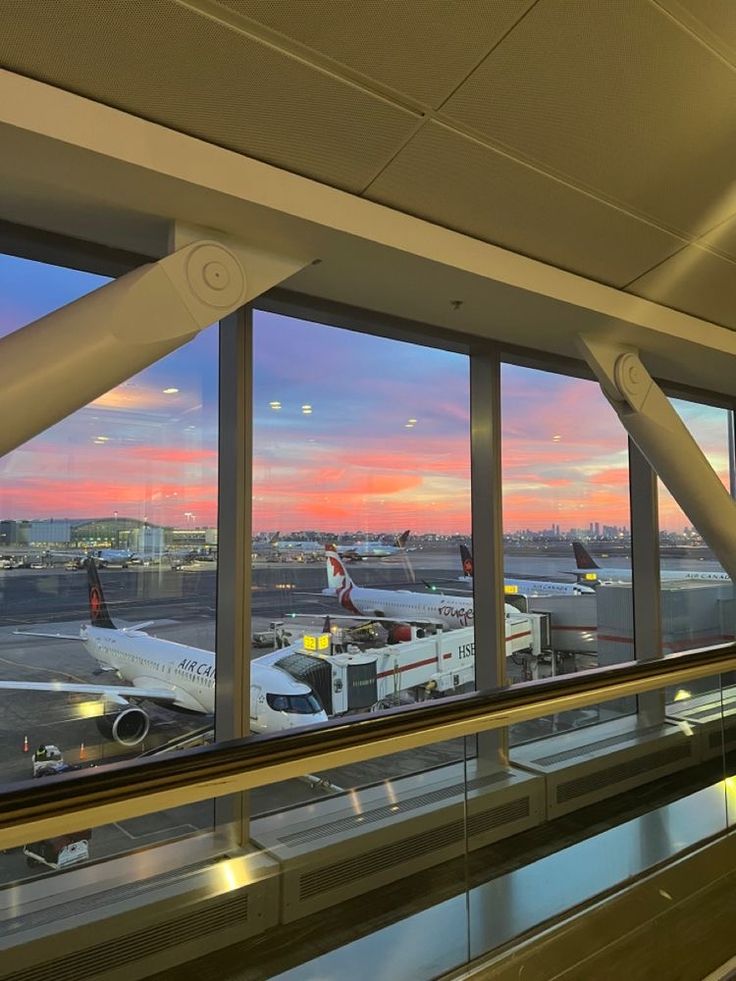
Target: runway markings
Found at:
22, 666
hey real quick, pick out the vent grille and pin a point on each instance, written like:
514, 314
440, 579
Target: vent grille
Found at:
590, 748
623, 771
98, 900
331, 877
494, 817
393, 856
721, 736
385, 812
94, 961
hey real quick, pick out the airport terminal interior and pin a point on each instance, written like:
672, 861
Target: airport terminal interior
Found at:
367, 478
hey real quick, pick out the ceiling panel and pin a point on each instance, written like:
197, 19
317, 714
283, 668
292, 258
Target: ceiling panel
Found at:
695, 281
618, 98
446, 178
722, 239
713, 20
423, 48
163, 62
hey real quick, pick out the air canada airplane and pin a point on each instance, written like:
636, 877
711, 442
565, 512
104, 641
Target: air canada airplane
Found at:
589, 570
171, 674
387, 604
530, 587
373, 550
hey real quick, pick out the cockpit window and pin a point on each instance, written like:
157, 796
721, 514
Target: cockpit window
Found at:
307, 704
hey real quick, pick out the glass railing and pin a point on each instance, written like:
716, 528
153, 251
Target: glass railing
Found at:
401, 846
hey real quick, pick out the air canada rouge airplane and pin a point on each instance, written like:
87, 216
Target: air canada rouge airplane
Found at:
172, 674
397, 605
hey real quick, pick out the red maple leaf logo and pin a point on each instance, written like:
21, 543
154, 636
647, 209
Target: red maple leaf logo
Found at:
95, 602
337, 569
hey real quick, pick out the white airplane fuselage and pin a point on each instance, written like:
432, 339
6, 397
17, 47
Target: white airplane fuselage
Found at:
403, 605
537, 587
189, 674
606, 574
369, 550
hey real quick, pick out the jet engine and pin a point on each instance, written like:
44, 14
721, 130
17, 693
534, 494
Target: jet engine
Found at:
128, 727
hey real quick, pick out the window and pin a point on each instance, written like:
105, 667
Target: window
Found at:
361, 501
697, 597
566, 522
108, 520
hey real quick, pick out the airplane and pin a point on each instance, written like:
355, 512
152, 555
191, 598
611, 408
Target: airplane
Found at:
170, 673
114, 556
589, 570
386, 604
293, 546
373, 550
530, 587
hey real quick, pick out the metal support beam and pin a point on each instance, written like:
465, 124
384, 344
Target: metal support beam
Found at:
646, 592
489, 620
664, 440
56, 365
232, 693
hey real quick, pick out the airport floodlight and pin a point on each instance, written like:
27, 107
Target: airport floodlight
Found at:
61, 362
665, 441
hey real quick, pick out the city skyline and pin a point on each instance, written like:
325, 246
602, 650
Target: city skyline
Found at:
350, 430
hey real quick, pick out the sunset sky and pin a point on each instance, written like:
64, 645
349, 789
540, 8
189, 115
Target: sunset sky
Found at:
385, 446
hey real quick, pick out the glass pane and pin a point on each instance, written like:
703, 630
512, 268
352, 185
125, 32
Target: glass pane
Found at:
108, 548
449, 843
566, 524
698, 600
361, 498
618, 799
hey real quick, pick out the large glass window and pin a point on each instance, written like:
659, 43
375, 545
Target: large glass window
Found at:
566, 520
361, 500
108, 520
697, 597
362, 599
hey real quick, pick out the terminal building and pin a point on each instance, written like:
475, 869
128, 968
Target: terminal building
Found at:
463, 268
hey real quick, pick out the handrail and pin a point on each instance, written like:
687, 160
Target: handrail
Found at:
34, 810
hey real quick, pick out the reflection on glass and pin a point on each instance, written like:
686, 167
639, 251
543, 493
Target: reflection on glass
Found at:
361, 500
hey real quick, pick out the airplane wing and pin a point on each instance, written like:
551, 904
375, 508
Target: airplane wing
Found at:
41, 633
124, 691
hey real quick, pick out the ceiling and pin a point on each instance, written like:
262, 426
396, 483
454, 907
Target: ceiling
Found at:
598, 136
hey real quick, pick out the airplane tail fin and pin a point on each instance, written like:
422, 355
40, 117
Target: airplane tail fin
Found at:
403, 538
275, 538
99, 615
337, 575
583, 558
467, 560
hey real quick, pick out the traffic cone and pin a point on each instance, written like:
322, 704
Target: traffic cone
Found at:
82, 751
25, 744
